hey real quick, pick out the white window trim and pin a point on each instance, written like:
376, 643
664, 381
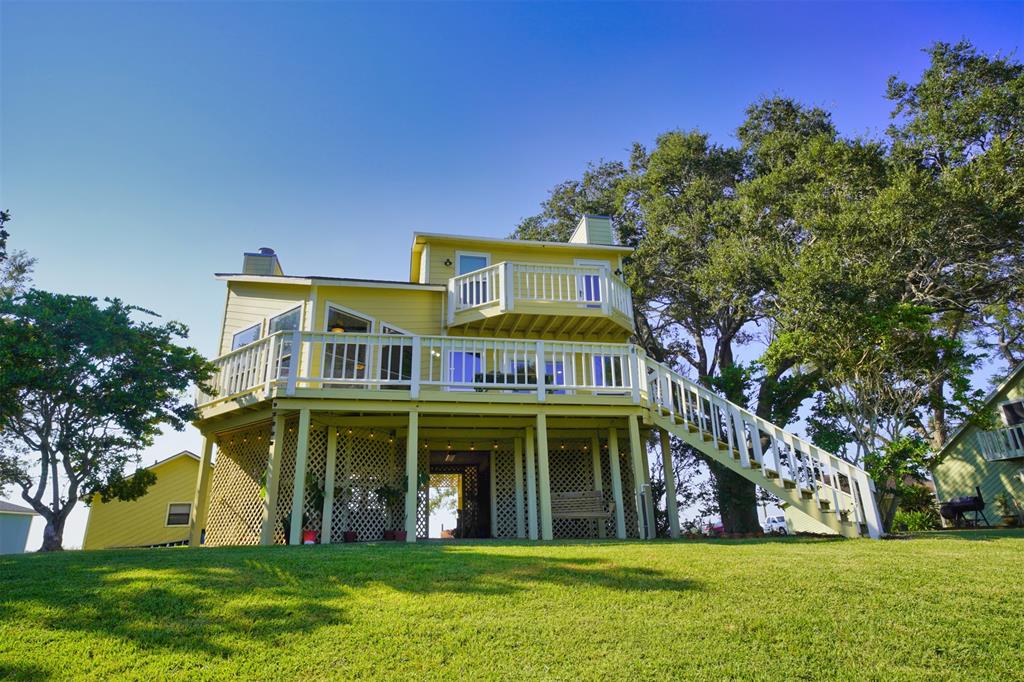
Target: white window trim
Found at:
167, 515
259, 335
385, 323
351, 311
478, 254
295, 306
1002, 412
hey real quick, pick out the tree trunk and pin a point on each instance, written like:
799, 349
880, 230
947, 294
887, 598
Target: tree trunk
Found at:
737, 500
53, 536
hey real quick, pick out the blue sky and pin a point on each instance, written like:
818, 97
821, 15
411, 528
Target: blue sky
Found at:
145, 146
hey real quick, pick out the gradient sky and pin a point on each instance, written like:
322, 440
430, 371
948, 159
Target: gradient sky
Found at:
145, 146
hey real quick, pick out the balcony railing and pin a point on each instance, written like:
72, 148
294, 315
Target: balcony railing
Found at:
299, 360
506, 284
1005, 443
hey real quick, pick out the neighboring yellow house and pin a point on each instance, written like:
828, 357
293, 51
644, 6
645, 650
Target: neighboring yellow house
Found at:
991, 460
509, 364
159, 517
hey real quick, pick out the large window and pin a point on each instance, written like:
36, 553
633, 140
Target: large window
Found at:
395, 360
246, 336
178, 513
285, 322
471, 262
346, 360
472, 292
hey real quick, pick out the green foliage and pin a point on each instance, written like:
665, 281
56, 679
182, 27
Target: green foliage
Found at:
84, 388
915, 521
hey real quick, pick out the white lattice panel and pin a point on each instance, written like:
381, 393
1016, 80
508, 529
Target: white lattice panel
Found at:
236, 501
505, 492
287, 478
628, 500
364, 464
571, 469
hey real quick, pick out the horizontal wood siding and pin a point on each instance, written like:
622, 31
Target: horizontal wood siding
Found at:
250, 303
442, 251
964, 466
143, 521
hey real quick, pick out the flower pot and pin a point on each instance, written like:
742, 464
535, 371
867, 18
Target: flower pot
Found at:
309, 537
399, 535
350, 536
389, 535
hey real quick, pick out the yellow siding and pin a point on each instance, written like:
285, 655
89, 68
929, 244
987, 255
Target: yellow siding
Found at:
143, 521
964, 467
414, 311
251, 303
441, 251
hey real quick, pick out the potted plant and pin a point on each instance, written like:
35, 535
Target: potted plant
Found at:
315, 488
1009, 509
391, 496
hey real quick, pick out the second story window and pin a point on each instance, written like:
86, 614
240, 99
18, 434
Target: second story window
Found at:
285, 322
245, 337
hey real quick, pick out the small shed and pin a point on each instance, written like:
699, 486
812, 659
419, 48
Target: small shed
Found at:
15, 522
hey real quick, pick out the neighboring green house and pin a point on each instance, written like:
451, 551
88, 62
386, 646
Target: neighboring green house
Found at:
991, 460
14, 524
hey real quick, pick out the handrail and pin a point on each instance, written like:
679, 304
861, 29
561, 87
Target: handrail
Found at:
509, 282
770, 447
1002, 443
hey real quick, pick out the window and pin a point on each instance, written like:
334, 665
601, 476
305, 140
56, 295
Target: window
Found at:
474, 291
245, 337
590, 285
608, 371
285, 322
1013, 413
178, 513
471, 262
346, 359
395, 360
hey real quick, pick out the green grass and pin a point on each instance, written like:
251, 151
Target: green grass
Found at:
940, 607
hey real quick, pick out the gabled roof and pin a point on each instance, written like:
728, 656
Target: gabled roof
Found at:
1016, 372
8, 508
315, 280
183, 453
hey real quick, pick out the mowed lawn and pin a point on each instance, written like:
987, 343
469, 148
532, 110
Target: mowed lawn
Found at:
941, 607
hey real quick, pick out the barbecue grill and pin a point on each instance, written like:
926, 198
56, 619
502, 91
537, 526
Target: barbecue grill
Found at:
956, 510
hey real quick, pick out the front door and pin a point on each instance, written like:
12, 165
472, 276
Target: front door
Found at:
590, 288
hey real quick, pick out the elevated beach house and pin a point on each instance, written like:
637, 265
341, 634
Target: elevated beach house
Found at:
507, 365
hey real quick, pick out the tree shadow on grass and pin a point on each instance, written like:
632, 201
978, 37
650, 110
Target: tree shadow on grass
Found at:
215, 602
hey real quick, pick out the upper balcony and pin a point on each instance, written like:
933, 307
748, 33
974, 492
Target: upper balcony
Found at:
1004, 443
534, 298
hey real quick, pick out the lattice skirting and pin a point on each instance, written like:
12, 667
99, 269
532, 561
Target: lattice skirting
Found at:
570, 469
236, 491
367, 460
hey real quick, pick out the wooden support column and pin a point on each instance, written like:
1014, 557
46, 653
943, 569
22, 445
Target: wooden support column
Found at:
412, 475
671, 504
531, 483
616, 475
595, 454
494, 495
518, 470
544, 478
332, 463
299, 489
201, 502
643, 522
276, 453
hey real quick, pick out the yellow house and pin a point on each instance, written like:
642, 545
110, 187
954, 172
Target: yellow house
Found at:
160, 517
990, 460
509, 364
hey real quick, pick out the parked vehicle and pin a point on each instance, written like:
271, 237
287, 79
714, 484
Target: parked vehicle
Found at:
775, 525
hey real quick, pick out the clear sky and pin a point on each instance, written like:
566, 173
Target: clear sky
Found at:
146, 146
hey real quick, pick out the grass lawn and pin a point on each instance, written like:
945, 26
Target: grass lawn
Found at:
941, 607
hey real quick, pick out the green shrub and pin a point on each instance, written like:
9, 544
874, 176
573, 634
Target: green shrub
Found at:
915, 520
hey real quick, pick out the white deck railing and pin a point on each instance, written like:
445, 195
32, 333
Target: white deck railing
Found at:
1005, 443
392, 361
507, 283
289, 361
764, 445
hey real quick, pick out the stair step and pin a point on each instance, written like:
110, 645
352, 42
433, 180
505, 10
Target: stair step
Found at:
771, 473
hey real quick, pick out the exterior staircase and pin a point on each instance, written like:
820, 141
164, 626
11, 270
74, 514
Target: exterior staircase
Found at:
810, 481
